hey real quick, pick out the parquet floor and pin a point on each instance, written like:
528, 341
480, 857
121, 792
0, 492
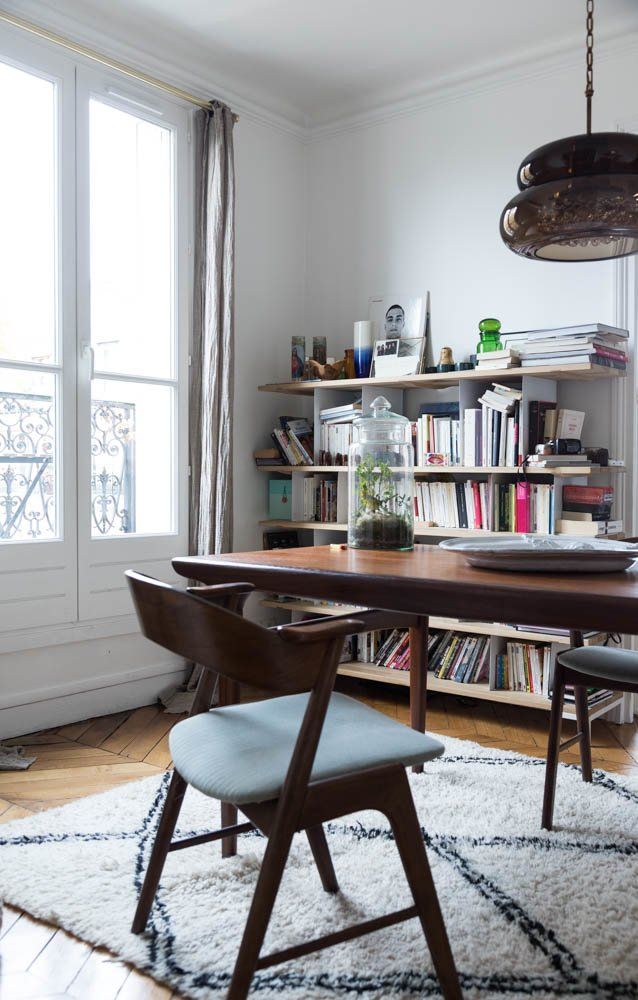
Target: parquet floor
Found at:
38, 961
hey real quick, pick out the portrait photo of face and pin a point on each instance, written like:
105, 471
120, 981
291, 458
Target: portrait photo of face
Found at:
394, 324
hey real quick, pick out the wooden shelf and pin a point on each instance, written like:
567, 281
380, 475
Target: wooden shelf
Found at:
420, 530
371, 672
446, 624
458, 470
445, 379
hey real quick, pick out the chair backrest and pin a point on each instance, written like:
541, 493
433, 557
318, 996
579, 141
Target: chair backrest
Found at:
221, 640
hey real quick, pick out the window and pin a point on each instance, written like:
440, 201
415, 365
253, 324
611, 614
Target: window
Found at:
132, 322
94, 258
29, 329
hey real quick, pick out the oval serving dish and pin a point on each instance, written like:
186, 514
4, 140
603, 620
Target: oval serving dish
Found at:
545, 554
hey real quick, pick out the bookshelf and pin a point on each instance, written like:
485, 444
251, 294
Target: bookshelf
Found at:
406, 395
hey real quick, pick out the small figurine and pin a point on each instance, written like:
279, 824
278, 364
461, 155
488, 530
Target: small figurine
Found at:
446, 360
327, 373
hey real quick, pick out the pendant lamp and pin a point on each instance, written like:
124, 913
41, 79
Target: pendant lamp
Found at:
578, 196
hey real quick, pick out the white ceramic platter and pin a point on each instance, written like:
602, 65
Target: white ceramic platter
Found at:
545, 553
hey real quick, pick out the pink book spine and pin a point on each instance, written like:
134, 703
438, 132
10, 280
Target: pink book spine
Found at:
522, 507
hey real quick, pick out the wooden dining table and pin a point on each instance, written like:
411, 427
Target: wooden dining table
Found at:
428, 581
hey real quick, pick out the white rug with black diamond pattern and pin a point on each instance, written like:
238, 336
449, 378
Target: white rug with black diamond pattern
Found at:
529, 914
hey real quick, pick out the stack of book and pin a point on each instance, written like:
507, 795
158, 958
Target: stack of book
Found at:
461, 658
319, 499
587, 511
336, 432
524, 667
496, 441
524, 506
294, 440
594, 696
507, 358
438, 434
594, 343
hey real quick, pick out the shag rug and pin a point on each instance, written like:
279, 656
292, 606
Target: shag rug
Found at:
529, 914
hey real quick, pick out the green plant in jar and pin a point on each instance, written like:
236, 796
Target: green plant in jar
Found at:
383, 517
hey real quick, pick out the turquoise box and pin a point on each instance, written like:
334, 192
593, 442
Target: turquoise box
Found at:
280, 499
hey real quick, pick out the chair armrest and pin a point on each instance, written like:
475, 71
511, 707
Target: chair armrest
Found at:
368, 620
320, 631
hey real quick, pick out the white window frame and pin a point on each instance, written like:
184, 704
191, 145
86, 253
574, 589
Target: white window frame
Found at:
38, 580
102, 561
77, 579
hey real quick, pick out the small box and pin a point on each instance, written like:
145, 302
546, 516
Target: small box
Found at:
280, 499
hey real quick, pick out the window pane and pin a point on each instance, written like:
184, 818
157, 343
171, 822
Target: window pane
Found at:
131, 243
28, 217
27, 456
132, 458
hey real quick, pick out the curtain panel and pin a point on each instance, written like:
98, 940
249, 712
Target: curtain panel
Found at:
211, 400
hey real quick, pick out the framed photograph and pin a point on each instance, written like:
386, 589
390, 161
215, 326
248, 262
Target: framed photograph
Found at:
297, 358
319, 349
399, 356
402, 318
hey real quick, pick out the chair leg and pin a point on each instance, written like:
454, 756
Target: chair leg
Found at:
229, 818
264, 897
582, 721
409, 840
163, 837
321, 854
418, 678
228, 694
553, 744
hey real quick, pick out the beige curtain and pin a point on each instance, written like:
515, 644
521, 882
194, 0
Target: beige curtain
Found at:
211, 389
211, 400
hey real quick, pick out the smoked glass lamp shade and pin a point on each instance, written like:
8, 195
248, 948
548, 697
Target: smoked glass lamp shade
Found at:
578, 200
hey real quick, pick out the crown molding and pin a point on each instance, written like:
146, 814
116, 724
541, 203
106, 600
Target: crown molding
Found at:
196, 78
476, 82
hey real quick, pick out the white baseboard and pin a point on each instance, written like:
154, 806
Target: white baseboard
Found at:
28, 712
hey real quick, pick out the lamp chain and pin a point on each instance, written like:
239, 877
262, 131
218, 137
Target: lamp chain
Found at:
589, 76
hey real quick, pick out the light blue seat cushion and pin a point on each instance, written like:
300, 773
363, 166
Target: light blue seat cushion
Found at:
605, 662
241, 753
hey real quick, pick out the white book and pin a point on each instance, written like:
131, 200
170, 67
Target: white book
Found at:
502, 444
469, 456
570, 423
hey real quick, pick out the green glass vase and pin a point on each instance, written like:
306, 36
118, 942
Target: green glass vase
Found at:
490, 336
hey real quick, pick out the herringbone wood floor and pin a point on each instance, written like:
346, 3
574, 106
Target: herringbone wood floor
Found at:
39, 961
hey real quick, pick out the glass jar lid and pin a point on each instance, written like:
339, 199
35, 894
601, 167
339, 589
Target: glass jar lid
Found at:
381, 424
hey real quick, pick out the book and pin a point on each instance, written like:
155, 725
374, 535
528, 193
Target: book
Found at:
537, 420
590, 529
588, 494
601, 329
570, 424
268, 456
507, 354
549, 461
576, 359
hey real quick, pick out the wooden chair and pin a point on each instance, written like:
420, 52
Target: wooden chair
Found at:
583, 667
321, 755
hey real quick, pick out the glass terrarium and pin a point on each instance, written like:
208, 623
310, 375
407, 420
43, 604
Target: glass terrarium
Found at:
381, 481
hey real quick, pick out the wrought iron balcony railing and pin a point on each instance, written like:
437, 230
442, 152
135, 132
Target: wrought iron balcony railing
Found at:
28, 467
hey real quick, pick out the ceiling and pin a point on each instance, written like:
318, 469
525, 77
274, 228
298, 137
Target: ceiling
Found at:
317, 61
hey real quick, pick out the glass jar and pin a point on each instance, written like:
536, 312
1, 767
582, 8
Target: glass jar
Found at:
490, 336
381, 481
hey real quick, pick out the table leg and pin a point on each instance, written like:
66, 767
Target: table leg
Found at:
228, 694
582, 717
419, 635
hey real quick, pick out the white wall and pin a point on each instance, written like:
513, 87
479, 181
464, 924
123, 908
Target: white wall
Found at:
414, 203
270, 277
